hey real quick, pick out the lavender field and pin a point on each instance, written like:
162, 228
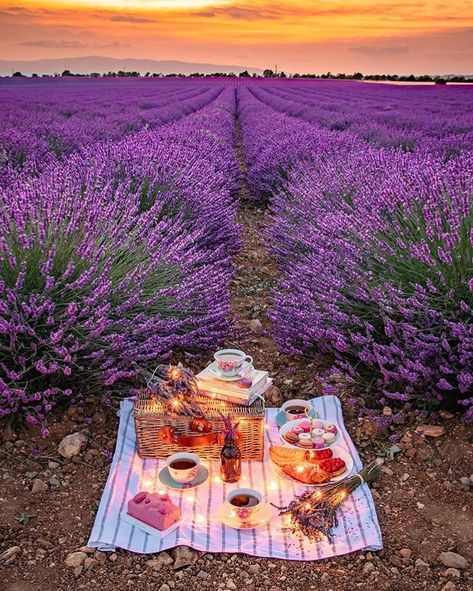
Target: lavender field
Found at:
118, 217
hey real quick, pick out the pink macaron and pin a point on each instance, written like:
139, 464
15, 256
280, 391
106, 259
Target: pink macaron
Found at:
318, 425
318, 443
305, 426
331, 428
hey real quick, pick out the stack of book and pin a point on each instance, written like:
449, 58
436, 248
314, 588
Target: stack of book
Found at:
232, 391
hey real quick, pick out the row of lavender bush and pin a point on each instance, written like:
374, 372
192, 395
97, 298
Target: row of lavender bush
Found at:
375, 247
42, 121
122, 252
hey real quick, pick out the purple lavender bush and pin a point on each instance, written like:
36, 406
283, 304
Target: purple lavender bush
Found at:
377, 258
120, 253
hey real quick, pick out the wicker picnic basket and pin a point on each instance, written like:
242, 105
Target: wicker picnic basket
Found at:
161, 434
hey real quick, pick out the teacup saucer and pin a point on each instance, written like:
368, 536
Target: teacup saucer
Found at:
260, 518
165, 478
213, 369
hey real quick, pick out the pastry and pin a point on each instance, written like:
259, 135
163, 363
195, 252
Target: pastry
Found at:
317, 432
331, 428
305, 426
304, 437
318, 455
306, 473
318, 442
318, 425
333, 466
297, 430
154, 509
291, 437
329, 437
306, 443
281, 454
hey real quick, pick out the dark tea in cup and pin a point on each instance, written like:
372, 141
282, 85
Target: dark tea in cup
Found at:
182, 464
244, 501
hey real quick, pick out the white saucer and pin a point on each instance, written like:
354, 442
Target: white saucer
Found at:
338, 452
261, 517
201, 477
213, 369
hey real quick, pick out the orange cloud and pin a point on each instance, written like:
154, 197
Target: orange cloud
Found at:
349, 34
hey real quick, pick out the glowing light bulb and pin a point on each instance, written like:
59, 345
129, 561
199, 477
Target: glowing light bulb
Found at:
217, 479
307, 505
200, 518
161, 491
175, 402
300, 469
189, 498
273, 485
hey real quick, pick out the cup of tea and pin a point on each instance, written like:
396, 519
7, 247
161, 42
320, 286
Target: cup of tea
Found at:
244, 503
229, 361
298, 409
183, 467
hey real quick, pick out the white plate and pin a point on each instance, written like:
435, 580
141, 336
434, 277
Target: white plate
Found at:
213, 369
338, 452
291, 424
262, 516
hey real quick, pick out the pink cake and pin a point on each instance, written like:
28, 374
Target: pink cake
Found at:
153, 509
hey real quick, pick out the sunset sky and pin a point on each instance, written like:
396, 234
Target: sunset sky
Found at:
367, 35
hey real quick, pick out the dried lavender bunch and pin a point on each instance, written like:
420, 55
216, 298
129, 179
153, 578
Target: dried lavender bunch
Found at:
229, 429
314, 513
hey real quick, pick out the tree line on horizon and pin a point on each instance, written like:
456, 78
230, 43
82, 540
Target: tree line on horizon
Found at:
266, 74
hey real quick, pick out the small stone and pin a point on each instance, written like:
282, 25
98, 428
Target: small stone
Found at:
419, 563
162, 560
113, 557
453, 560
90, 563
100, 557
53, 465
39, 486
446, 415
387, 411
231, 585
452, 572
256, 326
72, 444
203, 575
164, 587
405, 554
43, 543
75, 559
369, 567
87, 549
273, 396
10, 554
78, 571
449, 586
184, 556
465, 482
254, 569
430, 430
61, 541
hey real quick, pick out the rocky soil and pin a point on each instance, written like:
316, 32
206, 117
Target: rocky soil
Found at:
50, 489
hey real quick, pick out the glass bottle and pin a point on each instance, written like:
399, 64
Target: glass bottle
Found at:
230, 460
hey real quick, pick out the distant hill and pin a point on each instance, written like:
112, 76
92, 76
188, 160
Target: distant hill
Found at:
96, 63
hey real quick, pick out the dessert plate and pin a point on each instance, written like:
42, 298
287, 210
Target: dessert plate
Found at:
262, 516
289, 426
202, 476
149, 529
245, 367
338, 452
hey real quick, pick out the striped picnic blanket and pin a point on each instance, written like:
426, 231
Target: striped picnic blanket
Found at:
358, 526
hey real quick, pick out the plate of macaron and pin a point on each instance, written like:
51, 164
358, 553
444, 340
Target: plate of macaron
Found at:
310, 434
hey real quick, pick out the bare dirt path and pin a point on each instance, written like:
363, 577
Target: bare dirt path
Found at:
423, 506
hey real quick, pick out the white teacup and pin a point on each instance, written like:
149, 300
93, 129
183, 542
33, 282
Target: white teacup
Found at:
244, 511
229, 361
298, 409
183, 467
